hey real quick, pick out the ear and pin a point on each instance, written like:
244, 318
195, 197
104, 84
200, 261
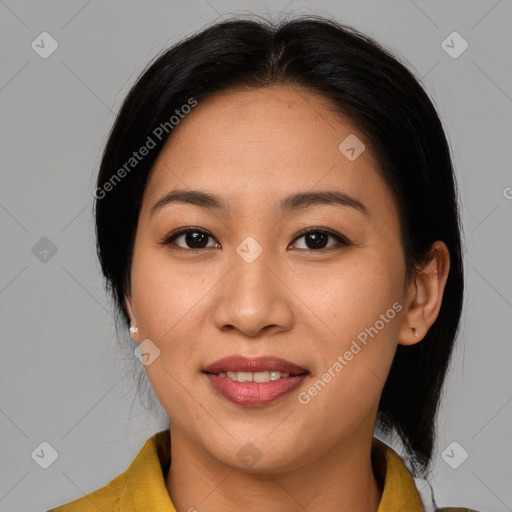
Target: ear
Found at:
133, 321
425, 295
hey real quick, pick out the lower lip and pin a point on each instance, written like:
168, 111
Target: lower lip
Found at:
254, 394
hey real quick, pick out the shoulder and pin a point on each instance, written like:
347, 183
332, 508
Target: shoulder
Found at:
141, 482
455, 509
105, 499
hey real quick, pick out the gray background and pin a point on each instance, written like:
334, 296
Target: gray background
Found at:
66, 380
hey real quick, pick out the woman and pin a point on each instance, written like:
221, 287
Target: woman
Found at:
277, 222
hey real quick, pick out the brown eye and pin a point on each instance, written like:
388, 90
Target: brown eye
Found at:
196, 239
317, 239
190, 239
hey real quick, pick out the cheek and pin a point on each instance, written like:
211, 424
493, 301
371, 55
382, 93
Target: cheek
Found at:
354, 362
353, 294
357, 323
165, 304
162, 296
167, 308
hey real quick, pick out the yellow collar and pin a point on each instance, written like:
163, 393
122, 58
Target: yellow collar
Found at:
145, 485
399, 491
142, 486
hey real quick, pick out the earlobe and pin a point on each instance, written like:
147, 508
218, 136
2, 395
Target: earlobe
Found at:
426, 296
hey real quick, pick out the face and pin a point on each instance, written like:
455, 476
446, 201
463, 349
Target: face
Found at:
243, 278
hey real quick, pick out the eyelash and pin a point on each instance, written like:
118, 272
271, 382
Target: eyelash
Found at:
340, 239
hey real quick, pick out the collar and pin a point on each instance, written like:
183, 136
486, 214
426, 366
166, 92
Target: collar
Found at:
143, 483
399, 491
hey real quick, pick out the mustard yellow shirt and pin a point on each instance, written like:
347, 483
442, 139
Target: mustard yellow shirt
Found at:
141, 488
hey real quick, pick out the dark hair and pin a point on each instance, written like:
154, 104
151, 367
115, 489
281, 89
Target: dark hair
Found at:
372, 89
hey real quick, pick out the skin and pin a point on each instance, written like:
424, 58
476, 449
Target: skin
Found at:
305, 305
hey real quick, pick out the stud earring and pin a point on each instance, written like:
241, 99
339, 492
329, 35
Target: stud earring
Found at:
415, 332
133, 329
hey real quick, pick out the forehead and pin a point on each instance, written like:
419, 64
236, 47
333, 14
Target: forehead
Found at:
254, 145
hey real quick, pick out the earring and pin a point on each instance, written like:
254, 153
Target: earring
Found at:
415, 332
133, 329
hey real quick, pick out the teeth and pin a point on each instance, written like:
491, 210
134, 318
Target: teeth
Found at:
266, 376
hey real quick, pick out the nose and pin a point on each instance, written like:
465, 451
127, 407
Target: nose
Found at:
254, 299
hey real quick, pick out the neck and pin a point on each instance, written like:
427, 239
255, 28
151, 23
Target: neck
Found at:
341, 480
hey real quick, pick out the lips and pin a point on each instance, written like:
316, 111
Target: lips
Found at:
254, 364
254, 381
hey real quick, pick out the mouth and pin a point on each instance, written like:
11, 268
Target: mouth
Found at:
254, 382
264, 376
255, 365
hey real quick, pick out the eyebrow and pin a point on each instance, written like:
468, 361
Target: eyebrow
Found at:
323, 197
290, 203
196, 197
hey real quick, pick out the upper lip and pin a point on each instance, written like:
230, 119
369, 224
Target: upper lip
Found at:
239, 363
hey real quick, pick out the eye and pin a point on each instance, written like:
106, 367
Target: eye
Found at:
317, 239
193, 238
